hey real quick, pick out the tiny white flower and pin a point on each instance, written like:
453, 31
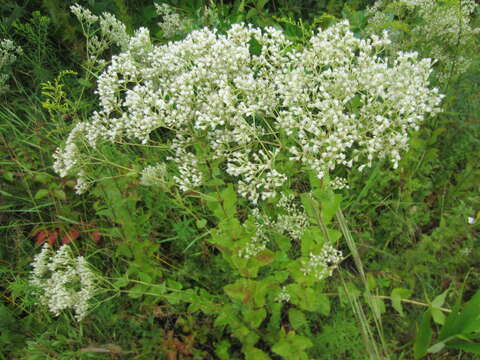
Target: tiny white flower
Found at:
283, 296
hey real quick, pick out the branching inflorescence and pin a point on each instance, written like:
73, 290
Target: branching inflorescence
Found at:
252, 100
8, 55
63, 280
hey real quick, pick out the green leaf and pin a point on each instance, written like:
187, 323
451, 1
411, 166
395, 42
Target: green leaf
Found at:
261, 4
254, 317
251, 13
438, 316
122, 282
137, 291
377, 303
201, 223
41, 194
397, 295
60, 194
309, 299
440, 299
312, 240
292, 346
224, 205
242, 289
283, 242
229, 197
253, 353
85, 83
8, 176
330, 203
255, 47
465, 322
222, 350
323, 304
424, 336
123, 250
42, 178
471, 347
297, 318
436, 348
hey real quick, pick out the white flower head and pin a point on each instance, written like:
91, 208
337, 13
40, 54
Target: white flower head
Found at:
321, 265
283, 295
8, 55
154, 175
332, 104
64, 281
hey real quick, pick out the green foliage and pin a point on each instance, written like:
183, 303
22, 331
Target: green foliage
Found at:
177, 285
459, 331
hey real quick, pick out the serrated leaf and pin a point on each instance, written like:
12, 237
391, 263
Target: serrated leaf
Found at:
323, 304
242, 289
297, 318
253, 353
312, 240
254, 317
292, 346
229, 197
123, 250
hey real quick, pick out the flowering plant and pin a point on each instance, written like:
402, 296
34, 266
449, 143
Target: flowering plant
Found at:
64, 281
258, 131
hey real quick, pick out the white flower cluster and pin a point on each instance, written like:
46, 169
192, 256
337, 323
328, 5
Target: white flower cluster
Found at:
154, 175
101, 32
172, 23
257, 243
444, 29
321, 266
331, 104
291, 220
283, 295
64, 281
8, 55
294, 221
260, 238
259, 178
